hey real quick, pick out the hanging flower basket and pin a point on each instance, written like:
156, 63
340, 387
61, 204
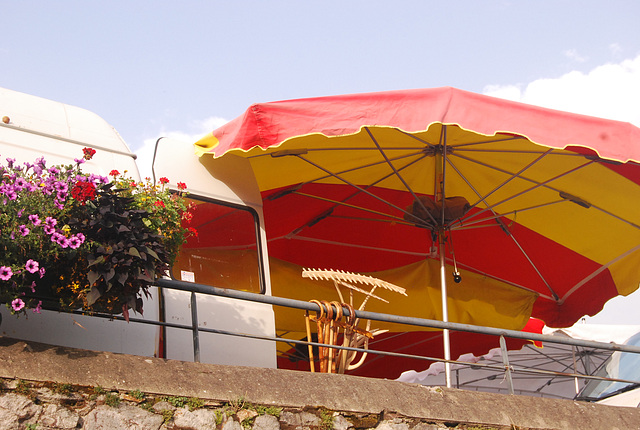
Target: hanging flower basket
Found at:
83, 241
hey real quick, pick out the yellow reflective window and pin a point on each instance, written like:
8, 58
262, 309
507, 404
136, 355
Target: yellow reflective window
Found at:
223, 249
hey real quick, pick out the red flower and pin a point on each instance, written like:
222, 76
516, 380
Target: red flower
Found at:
159, 203
83, 191
114, 173
182, 186
164, 180
193, 231
88, 153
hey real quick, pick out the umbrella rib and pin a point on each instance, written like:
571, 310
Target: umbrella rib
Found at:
398, 175
487, 275
363, 190
342, 203
349, 245
511, 178
466, 225
461, 145
419, 153
285, 152
337, 175
513, 151
553, 293
597, 272
536, 186
484, 142
510, 234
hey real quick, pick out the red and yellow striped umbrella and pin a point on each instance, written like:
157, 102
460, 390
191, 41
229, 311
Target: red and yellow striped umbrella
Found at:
551, 226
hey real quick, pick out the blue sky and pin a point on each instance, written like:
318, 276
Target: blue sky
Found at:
154, 68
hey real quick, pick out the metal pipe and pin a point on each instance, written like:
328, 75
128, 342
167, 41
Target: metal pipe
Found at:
445, 310
399, 319
194, 328
505, 362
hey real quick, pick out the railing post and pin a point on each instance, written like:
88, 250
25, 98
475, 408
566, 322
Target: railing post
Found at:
194, 327
505, 361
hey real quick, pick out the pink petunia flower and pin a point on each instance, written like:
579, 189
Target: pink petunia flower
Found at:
38, 307
74, 242
35, 219
5, 273
17, 305
32, 266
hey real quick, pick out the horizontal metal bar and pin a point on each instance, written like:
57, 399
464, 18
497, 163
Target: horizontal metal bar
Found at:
420, 322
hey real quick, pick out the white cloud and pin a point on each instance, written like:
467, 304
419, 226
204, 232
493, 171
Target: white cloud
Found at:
608, 91
572, 54
195, 131
615, 49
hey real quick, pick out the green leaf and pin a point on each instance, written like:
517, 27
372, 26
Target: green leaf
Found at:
152, 253
110, 274
133, 251
93, 295
122, 277
92, 277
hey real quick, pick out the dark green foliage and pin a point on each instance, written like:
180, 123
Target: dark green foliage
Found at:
125, 255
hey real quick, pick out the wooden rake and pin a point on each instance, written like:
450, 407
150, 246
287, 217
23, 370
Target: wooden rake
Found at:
329, 320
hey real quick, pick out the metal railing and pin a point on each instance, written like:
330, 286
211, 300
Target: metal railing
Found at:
505, 367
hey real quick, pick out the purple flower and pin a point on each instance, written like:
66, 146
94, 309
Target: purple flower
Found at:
79, 160
60, 239
50, 221
5, 273
39, 166
20, 212
61, 186
32, 266
24, 230
49, 229
74, 242
17, 305
35, 219
38, 307
10, 162
42, 272
20, 183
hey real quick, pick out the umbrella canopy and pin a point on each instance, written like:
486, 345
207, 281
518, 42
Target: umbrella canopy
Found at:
540, 215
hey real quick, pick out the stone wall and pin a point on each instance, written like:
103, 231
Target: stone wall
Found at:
48, 386
46, 405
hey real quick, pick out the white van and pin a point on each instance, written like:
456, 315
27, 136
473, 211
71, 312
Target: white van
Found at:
33, 127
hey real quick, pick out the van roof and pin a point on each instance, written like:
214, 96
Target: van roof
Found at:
42, 116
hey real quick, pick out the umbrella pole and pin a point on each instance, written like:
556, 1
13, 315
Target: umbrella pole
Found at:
445, 312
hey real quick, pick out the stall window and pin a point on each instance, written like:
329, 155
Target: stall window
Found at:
224, 249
